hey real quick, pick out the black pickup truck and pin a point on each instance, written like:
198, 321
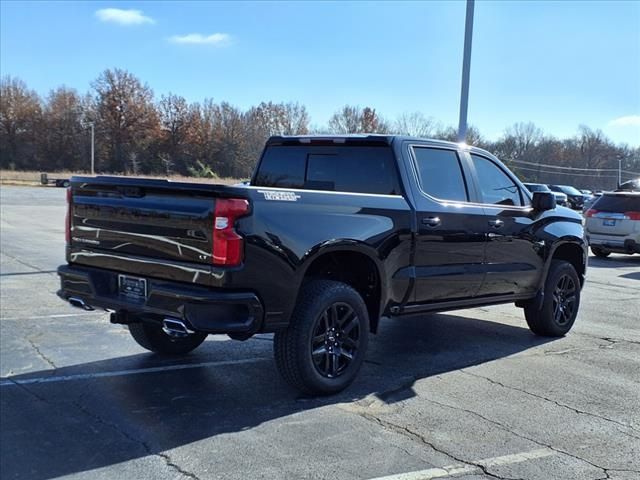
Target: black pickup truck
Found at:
330, 234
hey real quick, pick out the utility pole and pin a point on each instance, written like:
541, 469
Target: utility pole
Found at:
466, 66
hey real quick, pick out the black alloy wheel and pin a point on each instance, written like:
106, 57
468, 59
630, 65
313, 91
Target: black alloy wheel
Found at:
564, 300
557, 313
323, 348
336, 339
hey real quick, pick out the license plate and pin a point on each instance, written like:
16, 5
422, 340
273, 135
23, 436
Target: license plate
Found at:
133, 288
608, 222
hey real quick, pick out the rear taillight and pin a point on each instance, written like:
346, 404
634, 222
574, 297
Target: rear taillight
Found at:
632, 215
590, 213
67, 220
227, 244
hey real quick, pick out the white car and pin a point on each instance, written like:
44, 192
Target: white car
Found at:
613, 224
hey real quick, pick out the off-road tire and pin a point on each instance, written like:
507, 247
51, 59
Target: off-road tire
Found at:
294, 346
600, 252
550, 320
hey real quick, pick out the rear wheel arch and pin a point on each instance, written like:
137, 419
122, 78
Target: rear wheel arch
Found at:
356, 269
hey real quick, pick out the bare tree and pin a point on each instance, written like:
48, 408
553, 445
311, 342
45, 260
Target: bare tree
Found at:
415, 124
127, 119
64, 142
176, 123
20, 121
353, 119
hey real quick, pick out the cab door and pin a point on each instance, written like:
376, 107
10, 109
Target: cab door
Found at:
514, 256
450, 238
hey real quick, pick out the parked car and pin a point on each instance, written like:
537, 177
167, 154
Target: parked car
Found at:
613, 224
590, 201
587, 194
630, 186
561, 198
574, 196
331, 234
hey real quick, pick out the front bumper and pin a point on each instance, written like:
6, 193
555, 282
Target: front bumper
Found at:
201, 308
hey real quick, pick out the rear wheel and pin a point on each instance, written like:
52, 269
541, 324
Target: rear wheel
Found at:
321, 351
600, 252
151, 336
560, 304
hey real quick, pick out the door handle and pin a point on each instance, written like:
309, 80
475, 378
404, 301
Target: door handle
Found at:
431, 221
496, 223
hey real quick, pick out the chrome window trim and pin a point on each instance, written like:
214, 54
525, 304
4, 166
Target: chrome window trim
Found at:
308, 190
447, 203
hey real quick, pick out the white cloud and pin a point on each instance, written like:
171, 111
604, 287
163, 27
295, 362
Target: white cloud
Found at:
215, 39
627, 121
123, 17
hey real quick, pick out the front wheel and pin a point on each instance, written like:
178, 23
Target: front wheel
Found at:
600, 252
321, 351
151, 336
560, 304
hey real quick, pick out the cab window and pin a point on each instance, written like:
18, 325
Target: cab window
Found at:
496, 187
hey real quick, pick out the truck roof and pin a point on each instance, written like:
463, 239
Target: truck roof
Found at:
361, 139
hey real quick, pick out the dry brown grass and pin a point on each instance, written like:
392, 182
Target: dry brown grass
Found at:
30, 177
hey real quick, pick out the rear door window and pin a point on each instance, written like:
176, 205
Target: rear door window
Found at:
357, 169
282, 167
440, 174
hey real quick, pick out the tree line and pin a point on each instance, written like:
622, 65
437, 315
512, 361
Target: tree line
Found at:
138, 133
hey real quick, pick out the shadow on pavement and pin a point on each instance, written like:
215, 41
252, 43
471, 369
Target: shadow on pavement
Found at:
55, 429
614, 261
631, 275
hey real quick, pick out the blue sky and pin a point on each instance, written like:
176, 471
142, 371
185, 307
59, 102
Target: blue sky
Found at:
558, 64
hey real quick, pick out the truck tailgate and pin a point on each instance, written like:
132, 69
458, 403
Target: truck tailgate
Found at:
157, 219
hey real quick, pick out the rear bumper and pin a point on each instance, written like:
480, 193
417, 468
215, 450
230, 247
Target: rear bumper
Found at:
201, 308
620, 244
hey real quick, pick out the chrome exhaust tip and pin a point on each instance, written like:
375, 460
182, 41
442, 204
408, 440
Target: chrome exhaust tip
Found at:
175, 328
79, 303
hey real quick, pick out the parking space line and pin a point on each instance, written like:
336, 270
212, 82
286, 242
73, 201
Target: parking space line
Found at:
9, 381
59, 315
460, 469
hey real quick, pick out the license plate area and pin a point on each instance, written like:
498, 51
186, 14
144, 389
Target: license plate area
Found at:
608, 222
133, 288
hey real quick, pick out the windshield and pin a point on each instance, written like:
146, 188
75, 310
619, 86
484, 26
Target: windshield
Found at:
569, 190
536, 187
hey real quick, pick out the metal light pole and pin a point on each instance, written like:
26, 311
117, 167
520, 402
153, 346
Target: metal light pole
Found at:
619, 170
93, 140
466, 66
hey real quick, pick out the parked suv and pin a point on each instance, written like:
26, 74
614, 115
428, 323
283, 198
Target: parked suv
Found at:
331, 234
574, 196
613, 224
561, 198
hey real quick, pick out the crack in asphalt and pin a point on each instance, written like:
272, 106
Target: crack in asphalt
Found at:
612, 341
420, 438
537, 442
417, 437
40, 354
541, 397
28, 265
165, 457
97, 418
614, 285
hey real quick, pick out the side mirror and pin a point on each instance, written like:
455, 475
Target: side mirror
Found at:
543, 201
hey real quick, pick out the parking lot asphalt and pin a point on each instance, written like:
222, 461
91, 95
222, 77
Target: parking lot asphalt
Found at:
470, 394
